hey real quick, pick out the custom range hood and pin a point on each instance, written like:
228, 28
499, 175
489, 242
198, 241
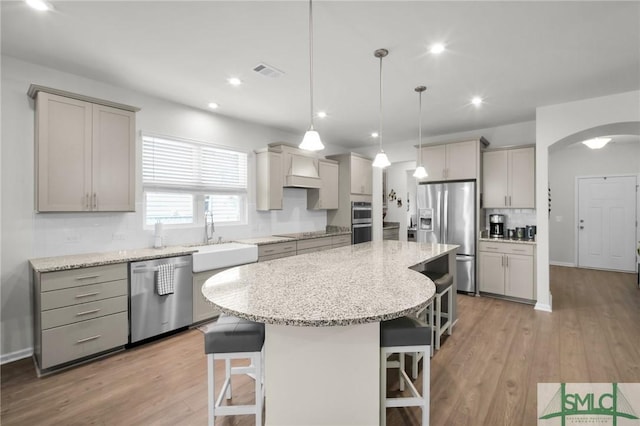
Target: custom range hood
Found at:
302, 171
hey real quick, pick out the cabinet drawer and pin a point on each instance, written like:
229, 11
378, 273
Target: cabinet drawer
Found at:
313, 249
508, 248
276, 256
277, 248
78, 277
83, 311
313, 243
84, 294
69, 342
340, 240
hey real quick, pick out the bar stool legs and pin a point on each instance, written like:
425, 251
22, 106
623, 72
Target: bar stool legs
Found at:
227, 339
404, 335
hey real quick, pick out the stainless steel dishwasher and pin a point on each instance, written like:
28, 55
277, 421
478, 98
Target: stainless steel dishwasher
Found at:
152, 314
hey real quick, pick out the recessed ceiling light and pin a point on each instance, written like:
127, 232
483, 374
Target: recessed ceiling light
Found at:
374, 134
437, 48
234, 81
213, 105
476, 100
39, 5
596, 143
322, 114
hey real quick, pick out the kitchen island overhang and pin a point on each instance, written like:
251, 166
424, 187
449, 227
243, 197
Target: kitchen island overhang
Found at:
322, 313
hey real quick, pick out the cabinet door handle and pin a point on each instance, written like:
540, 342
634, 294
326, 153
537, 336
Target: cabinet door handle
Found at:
86, 277
505, 201
86, 201
506, 261
502, 261
93, 311
95, 201
97, 336
79, 296
509, 199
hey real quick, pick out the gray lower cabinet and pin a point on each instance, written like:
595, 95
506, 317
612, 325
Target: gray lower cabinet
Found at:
391, 234
202, 309
79, 313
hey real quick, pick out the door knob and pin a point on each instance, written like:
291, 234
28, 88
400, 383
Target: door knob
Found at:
581, 227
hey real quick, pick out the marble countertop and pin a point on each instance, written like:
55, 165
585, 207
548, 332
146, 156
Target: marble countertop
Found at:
272, 239
61, 263
506, 240
354, 284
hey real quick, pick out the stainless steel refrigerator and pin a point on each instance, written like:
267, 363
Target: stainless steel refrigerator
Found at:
447, 215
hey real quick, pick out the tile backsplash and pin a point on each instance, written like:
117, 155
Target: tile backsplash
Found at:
513, 217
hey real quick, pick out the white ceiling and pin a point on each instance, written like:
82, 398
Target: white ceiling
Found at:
517, 55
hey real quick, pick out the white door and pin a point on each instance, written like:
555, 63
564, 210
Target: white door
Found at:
607, 223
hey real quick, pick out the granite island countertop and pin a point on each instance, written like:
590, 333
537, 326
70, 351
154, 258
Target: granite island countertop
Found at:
76, 261
355, 284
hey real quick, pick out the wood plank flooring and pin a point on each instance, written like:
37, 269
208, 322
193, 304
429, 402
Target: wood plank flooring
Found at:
485, 374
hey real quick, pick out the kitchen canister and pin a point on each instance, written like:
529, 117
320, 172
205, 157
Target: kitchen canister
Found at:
520, 233
511, 233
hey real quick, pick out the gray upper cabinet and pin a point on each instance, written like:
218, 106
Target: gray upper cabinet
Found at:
85, 155
453, 161
325, 197
509, 178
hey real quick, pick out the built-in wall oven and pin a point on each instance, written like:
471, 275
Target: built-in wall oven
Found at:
361, 222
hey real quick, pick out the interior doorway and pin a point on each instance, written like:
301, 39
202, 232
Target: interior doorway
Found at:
606, 219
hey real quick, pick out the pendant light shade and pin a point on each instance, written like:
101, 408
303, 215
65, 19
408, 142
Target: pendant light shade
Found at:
381, 159
420, 172
311, 140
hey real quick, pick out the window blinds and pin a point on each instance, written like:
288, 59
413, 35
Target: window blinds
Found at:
178, 164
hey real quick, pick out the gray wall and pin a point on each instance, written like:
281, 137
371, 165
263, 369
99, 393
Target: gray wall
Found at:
565, 165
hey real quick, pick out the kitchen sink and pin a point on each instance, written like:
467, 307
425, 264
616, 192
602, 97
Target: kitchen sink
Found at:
215, 256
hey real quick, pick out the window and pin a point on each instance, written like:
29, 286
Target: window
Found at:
183, 179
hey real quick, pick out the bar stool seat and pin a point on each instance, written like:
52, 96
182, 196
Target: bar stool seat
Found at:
234, 338
404, 335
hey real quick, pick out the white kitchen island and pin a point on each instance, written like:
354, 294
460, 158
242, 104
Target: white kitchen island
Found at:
322, 313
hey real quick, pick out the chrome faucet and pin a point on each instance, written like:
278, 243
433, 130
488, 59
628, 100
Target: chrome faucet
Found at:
209, 227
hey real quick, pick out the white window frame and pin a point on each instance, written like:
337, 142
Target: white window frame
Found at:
198, 194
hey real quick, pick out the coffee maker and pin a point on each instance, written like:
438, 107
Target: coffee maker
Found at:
496, 226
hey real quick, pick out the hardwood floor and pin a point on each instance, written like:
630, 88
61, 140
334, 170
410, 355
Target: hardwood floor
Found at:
485, 374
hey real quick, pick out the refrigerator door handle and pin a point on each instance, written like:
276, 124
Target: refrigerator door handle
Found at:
445, 217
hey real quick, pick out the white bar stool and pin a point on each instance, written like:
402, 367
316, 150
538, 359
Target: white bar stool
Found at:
404, 335
444, 286
234, 338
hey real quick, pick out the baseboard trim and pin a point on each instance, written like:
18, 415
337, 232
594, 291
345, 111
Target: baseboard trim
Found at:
14, 356
566, 264
542, 307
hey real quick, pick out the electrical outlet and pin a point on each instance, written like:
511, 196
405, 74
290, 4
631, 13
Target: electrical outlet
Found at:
118, 236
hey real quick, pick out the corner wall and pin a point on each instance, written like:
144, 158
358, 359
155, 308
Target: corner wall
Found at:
556, 123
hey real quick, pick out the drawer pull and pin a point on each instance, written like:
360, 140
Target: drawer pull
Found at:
269, 250
86, 339
492, 248
520, 250
93, 311
95, 293
86, 277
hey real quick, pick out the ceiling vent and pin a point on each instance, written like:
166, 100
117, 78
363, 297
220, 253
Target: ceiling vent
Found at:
268, 70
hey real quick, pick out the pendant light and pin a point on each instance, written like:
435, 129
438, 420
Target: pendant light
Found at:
311, 140
420, 172
381, 159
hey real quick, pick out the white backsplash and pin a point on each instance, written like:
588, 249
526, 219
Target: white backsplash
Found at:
514, 218
58, 234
